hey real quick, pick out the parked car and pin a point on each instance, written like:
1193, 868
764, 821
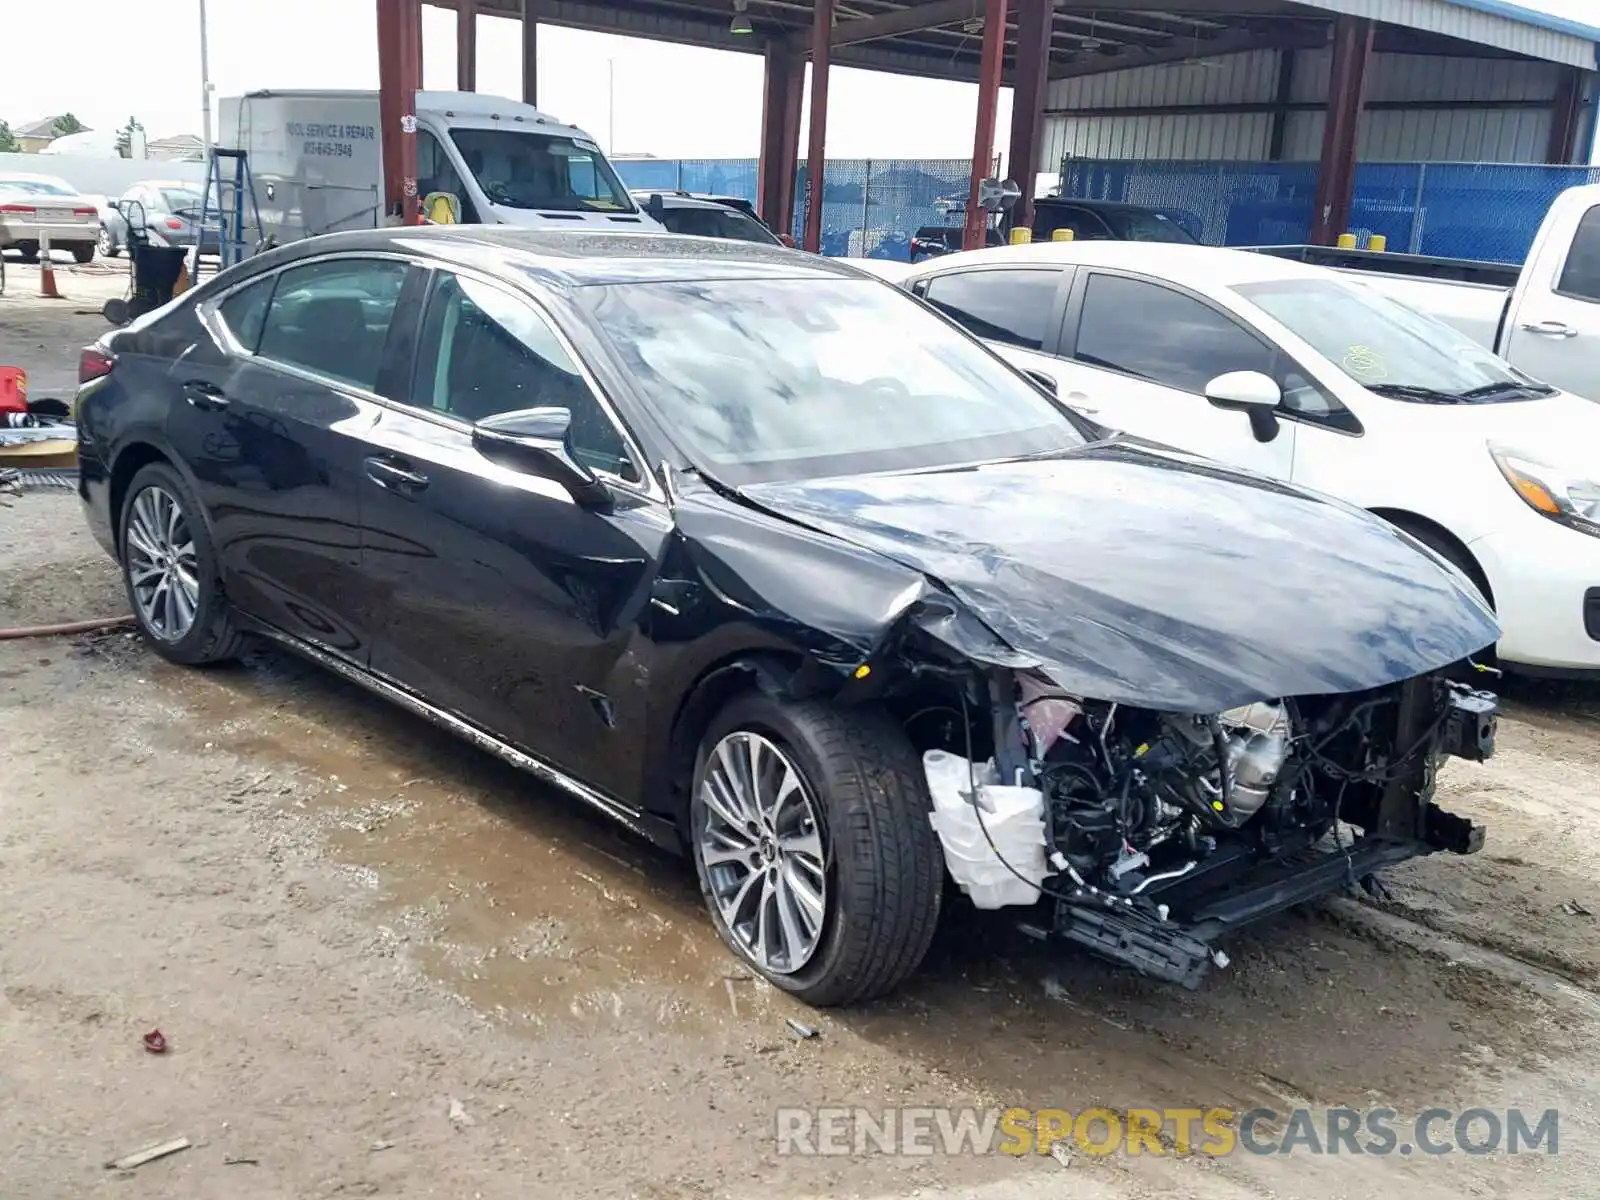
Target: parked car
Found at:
170, 210
706, 216
1543, 317
1105, 220
935, 241
748, 552
44, 206
1312, 376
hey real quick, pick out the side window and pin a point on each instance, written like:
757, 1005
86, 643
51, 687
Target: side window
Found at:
332, 317
485, 351
245, 312
1580, 278
1161, 335
1015, 307
436, 173
1085, 226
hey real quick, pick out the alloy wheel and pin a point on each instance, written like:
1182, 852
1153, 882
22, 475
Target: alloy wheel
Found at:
760, 847
163, 571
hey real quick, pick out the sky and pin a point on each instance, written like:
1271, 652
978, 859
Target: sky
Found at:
671, 101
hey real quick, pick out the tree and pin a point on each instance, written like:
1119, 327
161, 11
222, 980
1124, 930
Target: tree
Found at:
8, 144
67, 123
125, 137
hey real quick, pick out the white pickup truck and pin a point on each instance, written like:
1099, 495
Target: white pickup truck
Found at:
1543, 318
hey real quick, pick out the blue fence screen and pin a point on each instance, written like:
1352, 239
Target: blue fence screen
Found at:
1484, 211
870, 207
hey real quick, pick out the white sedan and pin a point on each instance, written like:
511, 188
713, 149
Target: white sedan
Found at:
42, 206
1315, 377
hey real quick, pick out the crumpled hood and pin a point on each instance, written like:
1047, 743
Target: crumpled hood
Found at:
1157, 579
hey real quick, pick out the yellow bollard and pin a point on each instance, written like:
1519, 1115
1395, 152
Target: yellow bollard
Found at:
1347, 241
1061, 235
1378, 243
1021, 235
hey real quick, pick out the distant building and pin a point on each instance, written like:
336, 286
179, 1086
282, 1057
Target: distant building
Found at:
35, 137
182, 147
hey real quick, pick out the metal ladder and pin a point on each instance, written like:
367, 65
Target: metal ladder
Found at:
230, 217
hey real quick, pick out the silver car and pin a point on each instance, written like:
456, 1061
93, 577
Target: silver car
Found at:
37, 206
169, 210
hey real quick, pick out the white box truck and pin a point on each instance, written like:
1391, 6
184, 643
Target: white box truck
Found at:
316, 160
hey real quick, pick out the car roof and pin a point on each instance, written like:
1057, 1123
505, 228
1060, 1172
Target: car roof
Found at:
1200, 267
574, 258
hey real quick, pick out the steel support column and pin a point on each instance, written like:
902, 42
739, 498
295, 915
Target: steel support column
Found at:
399, 78
1028, 100
817, 135
530, 55
466, 45
1566, 114
780, 135
994, 44
1347, 83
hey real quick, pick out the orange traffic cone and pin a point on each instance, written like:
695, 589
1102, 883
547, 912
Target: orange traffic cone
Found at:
47, 274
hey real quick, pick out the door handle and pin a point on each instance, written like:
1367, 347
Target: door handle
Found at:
1550, 328
1075, 401
387, 474
207, 397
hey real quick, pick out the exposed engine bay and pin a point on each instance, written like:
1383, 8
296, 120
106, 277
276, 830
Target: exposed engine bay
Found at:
1161, 831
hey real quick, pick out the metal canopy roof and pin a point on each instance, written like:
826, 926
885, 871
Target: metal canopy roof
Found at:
942, 38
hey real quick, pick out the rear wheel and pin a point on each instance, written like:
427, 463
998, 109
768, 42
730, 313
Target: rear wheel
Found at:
809, 827
83, 252
170, 570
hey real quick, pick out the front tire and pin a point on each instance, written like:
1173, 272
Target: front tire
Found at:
169, 568
809, 828
108, 243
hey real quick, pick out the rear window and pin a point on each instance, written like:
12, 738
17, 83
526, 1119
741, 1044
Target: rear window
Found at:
35, 187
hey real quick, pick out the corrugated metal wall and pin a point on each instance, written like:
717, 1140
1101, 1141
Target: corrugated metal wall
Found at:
1484, 134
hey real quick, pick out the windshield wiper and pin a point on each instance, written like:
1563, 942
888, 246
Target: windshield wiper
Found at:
1415, 391
1505, 388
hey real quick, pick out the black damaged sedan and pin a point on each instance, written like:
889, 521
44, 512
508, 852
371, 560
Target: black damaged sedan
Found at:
732, 543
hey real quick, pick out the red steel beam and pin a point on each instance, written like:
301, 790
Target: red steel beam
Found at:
780, 135
1034, 19
466, 45
1347, 87
399, 77
817, 135
530, 55
994, 44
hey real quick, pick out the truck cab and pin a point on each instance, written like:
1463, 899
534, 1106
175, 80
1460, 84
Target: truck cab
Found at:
510, 164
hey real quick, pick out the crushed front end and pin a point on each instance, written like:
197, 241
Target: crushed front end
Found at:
1158, 832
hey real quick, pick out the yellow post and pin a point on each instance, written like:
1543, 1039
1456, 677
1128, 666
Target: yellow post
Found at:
1378, 242
1347, 241
1021, 235
1061, 235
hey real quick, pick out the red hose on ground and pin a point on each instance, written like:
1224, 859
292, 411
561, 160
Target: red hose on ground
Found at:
30, 631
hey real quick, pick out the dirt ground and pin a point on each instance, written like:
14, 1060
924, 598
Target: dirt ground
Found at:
387, 965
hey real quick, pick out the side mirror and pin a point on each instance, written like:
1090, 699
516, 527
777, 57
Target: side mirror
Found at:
1250, 392
534, 441
1043, 380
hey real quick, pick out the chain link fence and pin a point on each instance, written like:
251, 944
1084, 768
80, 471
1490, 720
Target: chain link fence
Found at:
1484, 211
870, 207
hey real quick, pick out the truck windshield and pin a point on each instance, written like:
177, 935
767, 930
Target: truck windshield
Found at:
522, 169
1387, 347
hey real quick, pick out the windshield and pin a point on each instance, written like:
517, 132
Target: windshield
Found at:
1387, 347
1137, 225
798, 378
717, 222
536, 170
179, 199
35, 187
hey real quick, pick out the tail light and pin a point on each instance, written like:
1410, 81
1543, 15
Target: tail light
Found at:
94, 363
25, 210
174, 223
85, 212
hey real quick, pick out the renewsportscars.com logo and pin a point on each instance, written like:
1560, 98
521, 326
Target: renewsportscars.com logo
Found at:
1177, 1131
